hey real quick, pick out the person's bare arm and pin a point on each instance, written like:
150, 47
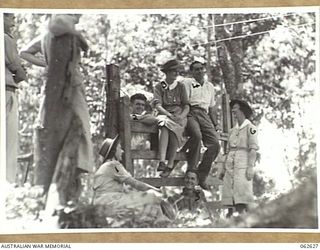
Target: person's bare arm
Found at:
33, 54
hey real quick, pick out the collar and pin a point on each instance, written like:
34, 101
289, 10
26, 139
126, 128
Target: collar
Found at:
244, 124
167, 86
195, 84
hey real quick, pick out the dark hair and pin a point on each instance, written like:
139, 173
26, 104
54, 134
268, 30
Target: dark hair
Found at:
243, 106
138, 96
193, 171
192, 64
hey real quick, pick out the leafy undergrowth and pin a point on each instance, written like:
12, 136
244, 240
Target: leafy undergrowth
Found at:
296, 209
25, 211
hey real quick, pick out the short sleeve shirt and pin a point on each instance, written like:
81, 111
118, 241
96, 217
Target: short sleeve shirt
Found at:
244, 136
110, 177
170, 98
202, 96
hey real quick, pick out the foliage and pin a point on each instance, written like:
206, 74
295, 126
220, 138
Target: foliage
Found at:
298, 209
24, 203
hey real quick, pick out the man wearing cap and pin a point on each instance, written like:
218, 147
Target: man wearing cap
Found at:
202, 122
14, 74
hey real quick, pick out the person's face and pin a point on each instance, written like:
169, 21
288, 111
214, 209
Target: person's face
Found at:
198, 72
171, 76
118, 153
138, 106
190, 180
8, 23
236, 111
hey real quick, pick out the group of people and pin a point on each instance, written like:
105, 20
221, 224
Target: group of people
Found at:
184, 107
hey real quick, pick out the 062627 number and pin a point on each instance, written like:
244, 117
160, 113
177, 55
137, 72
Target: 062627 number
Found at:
309, 245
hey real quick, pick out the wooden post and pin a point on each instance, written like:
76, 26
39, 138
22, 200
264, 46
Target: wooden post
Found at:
208, 46
125, 133
113, 99
226, 117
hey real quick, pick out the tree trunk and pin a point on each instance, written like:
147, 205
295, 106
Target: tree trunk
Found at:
57, 115
113, 100
230, 53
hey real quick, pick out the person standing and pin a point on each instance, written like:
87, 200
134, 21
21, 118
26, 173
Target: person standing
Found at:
171, 101
202, 123
14, 73
237, 172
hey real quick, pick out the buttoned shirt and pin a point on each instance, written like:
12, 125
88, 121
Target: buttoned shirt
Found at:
202, 96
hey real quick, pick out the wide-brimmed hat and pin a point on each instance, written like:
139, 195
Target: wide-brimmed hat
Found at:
170, 65
108, 146
244, 107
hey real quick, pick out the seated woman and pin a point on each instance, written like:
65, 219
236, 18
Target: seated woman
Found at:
171, 101
109, 188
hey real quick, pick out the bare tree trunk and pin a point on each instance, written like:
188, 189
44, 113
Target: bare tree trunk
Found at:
57, 116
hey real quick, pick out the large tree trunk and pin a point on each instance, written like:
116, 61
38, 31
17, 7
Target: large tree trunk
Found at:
57, 117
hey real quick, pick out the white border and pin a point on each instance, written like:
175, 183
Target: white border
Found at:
315, 9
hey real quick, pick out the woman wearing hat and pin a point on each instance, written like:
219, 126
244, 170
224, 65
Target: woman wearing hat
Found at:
109, 188
237, 172
171, 101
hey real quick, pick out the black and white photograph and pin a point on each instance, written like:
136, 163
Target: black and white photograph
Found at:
159, 120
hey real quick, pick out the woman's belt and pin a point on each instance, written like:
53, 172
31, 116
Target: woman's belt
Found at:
198, 108
238, 148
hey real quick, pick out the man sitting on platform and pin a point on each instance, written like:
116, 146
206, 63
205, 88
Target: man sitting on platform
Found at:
139, 112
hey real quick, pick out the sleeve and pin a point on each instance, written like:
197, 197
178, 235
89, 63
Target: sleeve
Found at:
157, 95
119, 172
12, 59
33, 47
61, 24
184, 95
187, 87
11, 56
213, 96
252, 137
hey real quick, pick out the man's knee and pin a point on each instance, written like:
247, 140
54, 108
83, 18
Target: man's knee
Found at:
196, 136
214, 147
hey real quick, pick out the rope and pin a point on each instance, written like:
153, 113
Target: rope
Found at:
238, 22
248, 35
